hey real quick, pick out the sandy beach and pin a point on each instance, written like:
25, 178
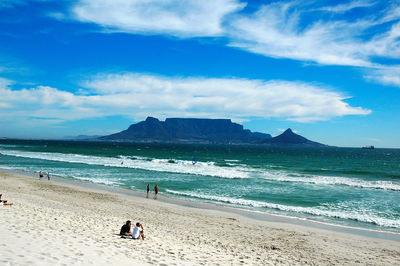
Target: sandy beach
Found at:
56, 223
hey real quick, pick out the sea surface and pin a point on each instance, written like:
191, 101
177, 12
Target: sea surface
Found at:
343, 186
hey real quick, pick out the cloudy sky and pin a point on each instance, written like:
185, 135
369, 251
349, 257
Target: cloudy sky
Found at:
328, 69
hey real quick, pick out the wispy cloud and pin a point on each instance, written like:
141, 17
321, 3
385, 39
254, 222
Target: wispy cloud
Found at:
386, 75
183, 18
5, 82
278, 30
373, 139
347, 6
138, 95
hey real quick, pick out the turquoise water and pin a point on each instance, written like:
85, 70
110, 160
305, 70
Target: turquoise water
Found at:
346, 186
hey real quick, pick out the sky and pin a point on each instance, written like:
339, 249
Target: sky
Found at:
329, 70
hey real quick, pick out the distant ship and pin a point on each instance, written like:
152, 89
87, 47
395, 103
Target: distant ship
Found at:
368, 147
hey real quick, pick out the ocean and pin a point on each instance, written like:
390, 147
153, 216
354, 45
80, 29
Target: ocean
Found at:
342, 186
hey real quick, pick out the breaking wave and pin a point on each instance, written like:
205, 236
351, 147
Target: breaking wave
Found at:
317, 211
233, 171
331, 180
159, 165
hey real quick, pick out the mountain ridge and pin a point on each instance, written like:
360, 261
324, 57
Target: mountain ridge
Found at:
188, 130
202, 131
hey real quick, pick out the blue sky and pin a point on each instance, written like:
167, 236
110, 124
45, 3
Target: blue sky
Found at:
330, 70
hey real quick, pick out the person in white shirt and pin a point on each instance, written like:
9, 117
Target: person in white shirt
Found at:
138, 231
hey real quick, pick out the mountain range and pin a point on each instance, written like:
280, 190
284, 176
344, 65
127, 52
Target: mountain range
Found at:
202, 131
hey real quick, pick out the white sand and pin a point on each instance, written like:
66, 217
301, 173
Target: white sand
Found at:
53, 223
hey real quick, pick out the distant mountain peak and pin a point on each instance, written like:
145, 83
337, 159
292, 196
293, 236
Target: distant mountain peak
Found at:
288, 137
288, 131
151, 119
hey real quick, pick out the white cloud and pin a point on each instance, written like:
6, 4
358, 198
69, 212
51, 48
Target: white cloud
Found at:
5, 82
388, 75
184, 18
137, 95
277, 30
347, 6
306, 31
373, 139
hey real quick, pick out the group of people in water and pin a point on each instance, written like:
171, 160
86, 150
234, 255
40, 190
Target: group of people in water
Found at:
41, 174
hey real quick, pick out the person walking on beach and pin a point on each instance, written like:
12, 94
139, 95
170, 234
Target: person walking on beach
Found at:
40, 175
138, 231
155, 191
48, 175
148, 190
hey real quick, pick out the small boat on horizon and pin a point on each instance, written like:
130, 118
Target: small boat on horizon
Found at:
368, 147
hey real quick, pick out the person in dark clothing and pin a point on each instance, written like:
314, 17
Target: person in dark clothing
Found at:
155, 191
126, 229
148, 190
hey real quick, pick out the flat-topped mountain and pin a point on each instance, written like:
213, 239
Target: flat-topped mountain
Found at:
204, 131
188, 130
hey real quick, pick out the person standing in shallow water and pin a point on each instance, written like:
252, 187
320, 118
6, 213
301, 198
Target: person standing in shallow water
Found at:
148, 190
155, 191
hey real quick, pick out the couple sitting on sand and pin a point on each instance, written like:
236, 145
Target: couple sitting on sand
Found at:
137, 231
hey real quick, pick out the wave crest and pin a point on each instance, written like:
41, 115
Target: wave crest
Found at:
361, 217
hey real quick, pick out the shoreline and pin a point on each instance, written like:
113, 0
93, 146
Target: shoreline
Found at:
261, 216
54, 222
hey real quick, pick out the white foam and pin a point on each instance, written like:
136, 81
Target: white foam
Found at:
96, 180
206, 169
331, 180
8, 167
99, 180
349, 215
160, 165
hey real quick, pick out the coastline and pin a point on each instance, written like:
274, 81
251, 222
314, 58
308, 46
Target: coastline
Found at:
80, 223
261, 216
